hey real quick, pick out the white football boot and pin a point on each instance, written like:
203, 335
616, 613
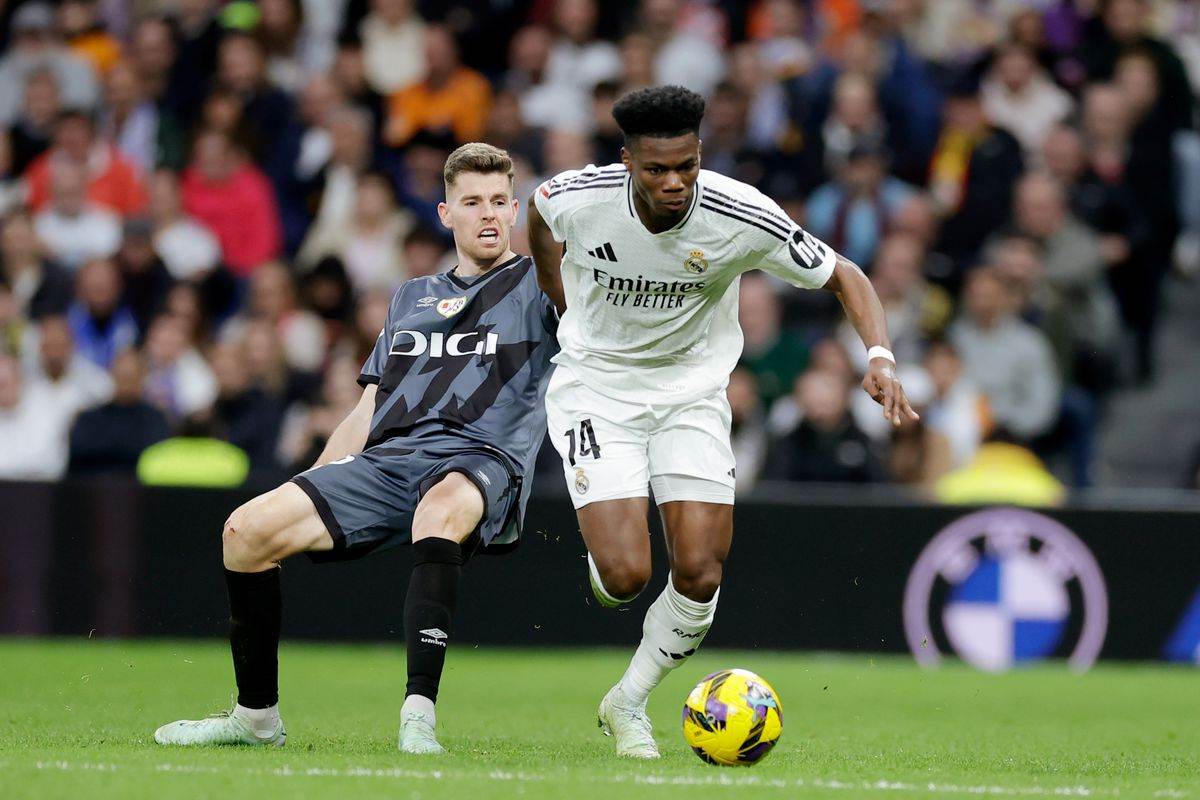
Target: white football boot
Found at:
227, 727
417, 735
627, 724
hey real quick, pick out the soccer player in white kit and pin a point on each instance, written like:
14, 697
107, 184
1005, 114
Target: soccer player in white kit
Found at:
647, 285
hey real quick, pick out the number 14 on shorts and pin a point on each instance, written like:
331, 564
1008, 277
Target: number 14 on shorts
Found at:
586, 439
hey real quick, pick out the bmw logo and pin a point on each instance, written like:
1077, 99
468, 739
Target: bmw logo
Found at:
1004, 587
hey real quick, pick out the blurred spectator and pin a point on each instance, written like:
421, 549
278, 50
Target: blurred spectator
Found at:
146, 279
290, 52
39, 287
243, 414
1007, 358
154, 54
273, 298
826, 446
109, 438
778, 26
101, 325
421, 184
1079, 314
766, 101
232, 198
69, 381
394, 48
1001, 472
773, 355
265, 110
920, 454
307, 427
349, 71
854, 120
577, 55
34, 440
748, 431
368, 241
35, 46
33, 131
1123, 25
189, 250
332, 187
424, 252
547, 101
448, 97
146, 135
1139, 167
178, 380
12, 324
507, 130
970, 177
269, 370
110, 180
79, 22
301, 153
956, 408
726, 122
1019, 97
682, 54
72, 228
915, 309
852, 214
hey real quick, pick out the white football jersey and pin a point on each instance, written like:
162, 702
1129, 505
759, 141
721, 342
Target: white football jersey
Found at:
652, 317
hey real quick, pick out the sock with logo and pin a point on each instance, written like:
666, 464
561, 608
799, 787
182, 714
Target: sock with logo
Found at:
429, 612
255, 616
673, 629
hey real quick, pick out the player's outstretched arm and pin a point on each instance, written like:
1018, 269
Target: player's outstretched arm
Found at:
350, 436
547, 255
865, 312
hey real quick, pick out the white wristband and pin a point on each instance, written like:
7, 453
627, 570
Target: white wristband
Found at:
879, 351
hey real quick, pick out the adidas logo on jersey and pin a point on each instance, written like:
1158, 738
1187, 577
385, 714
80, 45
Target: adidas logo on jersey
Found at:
604, 252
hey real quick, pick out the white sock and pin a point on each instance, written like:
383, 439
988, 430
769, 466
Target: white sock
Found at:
673, 629
263, 721
419, 703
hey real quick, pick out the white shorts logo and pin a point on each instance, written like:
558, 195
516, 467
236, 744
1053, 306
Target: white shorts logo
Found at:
581, 481
451, 306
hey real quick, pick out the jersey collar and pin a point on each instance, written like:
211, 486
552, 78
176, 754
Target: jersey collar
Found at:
475, 280
696, 190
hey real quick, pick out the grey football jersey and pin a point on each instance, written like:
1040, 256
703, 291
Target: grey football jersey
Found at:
466, 359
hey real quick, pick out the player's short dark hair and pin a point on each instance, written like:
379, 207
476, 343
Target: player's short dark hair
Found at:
662, 112
477, 157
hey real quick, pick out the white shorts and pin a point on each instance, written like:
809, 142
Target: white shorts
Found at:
613, 449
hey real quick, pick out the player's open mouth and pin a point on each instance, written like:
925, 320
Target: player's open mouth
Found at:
675, 204
489, 236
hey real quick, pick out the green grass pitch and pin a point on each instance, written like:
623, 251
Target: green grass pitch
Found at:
76, 719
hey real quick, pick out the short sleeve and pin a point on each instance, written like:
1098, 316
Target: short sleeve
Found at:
798, 257
557, 198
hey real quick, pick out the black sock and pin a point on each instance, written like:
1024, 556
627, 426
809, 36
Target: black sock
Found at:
429, 612
255, 613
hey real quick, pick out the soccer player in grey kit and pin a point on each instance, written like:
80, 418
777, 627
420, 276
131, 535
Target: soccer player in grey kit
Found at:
439, 453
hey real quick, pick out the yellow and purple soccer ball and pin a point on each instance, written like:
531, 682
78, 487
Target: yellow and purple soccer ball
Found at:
732, 718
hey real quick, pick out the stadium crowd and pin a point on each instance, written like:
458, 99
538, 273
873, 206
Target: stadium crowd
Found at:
205, 206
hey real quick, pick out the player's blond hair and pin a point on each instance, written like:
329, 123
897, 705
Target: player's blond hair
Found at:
477, 157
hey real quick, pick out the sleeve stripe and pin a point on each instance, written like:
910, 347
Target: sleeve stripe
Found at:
787, 223
771, 221
716, 210
586, 177
594, 185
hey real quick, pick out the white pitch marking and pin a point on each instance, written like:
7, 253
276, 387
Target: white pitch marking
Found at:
643, 780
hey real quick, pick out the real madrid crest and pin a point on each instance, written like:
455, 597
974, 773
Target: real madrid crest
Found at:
696, 262
451, 306
581, 481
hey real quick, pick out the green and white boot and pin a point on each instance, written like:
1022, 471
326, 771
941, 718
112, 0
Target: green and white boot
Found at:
418, 721
225, 728
628, 724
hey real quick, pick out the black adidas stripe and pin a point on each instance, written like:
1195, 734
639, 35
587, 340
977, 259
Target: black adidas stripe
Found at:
718, 210
787, 223
769, 220
590, 177
593, 185
609, 251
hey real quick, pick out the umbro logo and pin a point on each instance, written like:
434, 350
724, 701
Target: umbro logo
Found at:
604, 252
483, 477
434, 636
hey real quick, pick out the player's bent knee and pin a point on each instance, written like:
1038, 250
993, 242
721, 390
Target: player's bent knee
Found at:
253, 538
697, 579
623, 577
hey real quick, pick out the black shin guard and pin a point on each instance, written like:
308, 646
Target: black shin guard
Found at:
429, 612
255, 613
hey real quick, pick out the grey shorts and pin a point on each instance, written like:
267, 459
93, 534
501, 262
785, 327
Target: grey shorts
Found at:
367, 500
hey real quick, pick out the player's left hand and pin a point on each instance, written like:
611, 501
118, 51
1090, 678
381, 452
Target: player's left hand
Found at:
884, 387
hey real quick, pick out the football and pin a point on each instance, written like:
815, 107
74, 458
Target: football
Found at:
732, 718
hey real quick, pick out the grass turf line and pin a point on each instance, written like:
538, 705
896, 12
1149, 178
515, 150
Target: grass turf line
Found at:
76, 719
